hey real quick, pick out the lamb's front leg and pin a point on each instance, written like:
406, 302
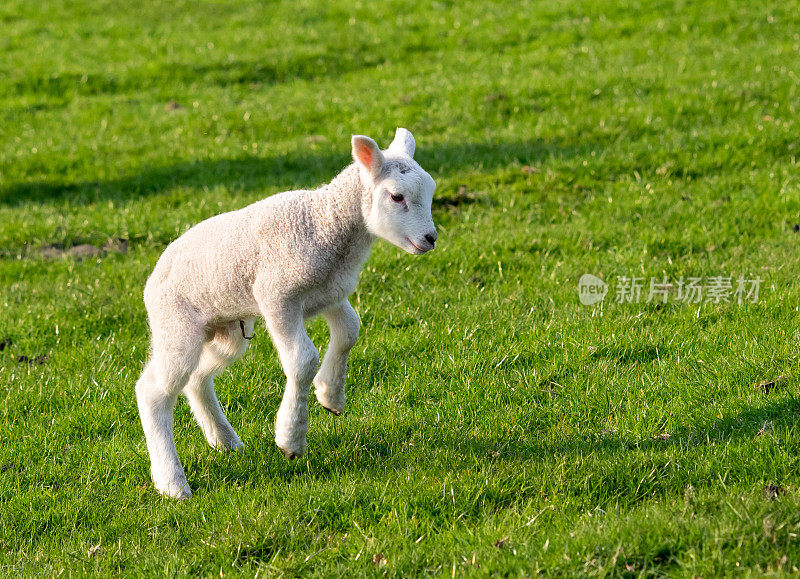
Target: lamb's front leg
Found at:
329, 383
300, 361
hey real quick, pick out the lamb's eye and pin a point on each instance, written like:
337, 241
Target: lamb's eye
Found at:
397, 197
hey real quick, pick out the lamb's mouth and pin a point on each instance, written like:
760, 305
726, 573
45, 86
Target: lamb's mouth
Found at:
417, 247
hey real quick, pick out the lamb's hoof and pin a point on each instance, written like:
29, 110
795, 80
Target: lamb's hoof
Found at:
292, 451
330, 399
174, 490
228, 445
288, 454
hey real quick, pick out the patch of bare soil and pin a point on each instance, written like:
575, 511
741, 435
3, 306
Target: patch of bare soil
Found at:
84, 250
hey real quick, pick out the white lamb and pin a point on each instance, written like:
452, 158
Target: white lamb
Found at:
289, 257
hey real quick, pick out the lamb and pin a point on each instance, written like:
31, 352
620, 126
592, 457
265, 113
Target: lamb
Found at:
287, 258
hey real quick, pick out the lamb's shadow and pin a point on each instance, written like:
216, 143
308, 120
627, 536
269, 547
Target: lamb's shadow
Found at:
290, 171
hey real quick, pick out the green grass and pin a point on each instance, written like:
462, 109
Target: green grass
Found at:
494, 424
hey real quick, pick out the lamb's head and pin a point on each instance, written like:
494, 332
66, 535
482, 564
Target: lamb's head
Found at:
398, 193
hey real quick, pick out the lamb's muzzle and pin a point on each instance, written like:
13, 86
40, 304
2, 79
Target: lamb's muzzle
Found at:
289, 257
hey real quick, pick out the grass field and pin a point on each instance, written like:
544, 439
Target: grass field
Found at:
495, 425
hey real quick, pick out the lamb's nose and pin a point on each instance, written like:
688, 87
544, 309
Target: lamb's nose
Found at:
431, 238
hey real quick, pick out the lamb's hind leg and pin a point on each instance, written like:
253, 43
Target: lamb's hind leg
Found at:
329, 383
174, 358
226, 346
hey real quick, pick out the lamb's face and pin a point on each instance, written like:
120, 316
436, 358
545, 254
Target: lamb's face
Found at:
401, 193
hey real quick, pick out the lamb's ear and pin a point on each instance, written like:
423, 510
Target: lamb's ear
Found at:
403, 142
367, 155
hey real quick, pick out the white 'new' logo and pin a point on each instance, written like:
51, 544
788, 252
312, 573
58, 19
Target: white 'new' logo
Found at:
591, 289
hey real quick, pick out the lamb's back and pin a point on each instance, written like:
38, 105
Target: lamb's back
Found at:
215, 263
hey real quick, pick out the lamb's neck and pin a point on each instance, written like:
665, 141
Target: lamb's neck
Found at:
340, 206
